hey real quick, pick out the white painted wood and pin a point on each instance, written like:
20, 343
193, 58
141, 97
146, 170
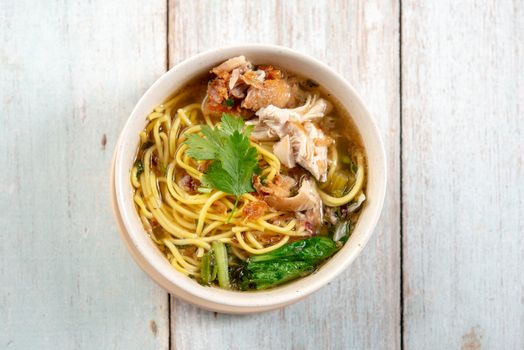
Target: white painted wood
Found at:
70, 74
360, 309
463, 171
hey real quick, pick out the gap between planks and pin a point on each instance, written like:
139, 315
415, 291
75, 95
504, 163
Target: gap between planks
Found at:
401, 194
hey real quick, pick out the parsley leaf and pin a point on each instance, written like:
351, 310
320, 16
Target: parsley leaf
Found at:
200, 148
234, 167
230, 124
234, 160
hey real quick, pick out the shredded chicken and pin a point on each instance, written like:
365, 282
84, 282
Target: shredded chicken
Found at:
235, 75
308, 145
262, 132
284, 152
314, 108
307, 153
231, 64
307, 199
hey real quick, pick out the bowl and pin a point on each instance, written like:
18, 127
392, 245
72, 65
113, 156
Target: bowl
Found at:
148, 256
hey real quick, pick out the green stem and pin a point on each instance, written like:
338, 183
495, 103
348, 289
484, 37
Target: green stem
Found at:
221, 262
232, 211
206, 269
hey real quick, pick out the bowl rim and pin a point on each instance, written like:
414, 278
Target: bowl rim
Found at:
148, 256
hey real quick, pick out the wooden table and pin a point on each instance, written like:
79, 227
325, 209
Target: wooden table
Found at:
445, 81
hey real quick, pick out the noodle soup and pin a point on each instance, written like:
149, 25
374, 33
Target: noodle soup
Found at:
249, 177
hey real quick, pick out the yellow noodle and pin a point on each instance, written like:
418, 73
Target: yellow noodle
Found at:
178, 267
204, 210
183, 117
134, 180
143, 209
238, 253
154, 115
143, 137
211, 227
191, 171
173, 134
276, 228
253, 240
194, 241
331, 201
182, 221
251, 250
179, 258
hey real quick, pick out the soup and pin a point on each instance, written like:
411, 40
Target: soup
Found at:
249, 177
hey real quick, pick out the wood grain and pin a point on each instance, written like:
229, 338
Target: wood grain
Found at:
360, 40
70, 74
463, 188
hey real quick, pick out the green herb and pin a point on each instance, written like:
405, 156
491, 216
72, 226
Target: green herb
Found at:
139, 167
228, 102
286, 263
204, 190
234, 160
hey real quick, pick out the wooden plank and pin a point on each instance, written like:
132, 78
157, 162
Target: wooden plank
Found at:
70, 74
463, 189
361, 308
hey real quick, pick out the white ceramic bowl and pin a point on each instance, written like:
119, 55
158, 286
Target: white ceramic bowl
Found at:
156, 265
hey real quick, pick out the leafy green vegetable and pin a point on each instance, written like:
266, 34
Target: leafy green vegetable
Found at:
273, 273
234, 160
221, 262
139, 168
289, 262
312, 250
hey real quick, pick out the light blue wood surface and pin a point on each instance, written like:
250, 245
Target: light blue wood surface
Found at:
70, 73
463, 174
